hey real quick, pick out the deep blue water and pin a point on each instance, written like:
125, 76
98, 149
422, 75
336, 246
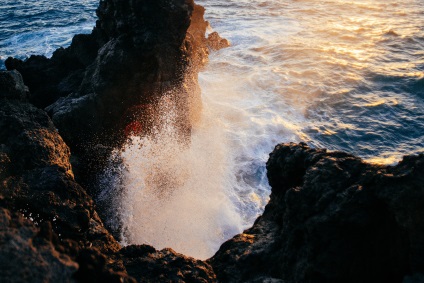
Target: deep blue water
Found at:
39, 27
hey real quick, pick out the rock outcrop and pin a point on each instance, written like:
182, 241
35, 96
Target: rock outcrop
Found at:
49, 223
149, 265
37, 183
332, 218
138, 52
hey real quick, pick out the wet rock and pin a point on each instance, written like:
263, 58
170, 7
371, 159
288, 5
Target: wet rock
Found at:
94, 268
12, 86
28, 255
332, 218
196, 42
37, 177
32, 252
136, 53
149, 265
216, 42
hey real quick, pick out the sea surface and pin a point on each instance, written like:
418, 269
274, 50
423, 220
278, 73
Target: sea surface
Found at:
341, 74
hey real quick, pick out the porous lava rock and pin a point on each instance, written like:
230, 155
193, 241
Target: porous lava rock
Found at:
37, 182
29, 254
149, 265
49, 223
36, 174
137, 51
332, 218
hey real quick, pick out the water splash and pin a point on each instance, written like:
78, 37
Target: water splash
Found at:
173, 193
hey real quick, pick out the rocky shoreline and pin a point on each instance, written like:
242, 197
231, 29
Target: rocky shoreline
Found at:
331, 217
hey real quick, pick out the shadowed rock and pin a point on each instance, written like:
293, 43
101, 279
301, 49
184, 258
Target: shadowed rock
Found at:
28, 255
149, 265
332, 218
138, 52
37, 182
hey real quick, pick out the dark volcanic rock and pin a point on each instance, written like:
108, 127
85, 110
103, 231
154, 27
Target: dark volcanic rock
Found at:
12, 86
137, 52
28, 255
149, 265
35, 254
332, 218
37, 177
36, 180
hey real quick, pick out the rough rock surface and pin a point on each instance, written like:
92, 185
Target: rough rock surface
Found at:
36, 181
332, 218
216, 42
12, 86
97, 89
137, 52
24, 246
149, 265
36, 175
49, 223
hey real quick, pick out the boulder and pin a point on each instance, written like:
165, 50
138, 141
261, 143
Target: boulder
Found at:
29, 254
216, 42
12, 86
149, 265
332, 218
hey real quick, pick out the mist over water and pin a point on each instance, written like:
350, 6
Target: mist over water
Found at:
341, 74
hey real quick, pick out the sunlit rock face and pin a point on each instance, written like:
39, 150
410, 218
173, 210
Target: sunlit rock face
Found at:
331, 218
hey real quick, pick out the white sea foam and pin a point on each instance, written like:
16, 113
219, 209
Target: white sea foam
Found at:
178, 195
42, 42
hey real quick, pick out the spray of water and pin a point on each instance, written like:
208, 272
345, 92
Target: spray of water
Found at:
173, 193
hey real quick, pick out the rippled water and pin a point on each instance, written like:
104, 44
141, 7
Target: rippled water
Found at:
345, 75
39, 27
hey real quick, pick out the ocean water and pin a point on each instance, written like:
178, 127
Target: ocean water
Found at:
342, 74
39, 27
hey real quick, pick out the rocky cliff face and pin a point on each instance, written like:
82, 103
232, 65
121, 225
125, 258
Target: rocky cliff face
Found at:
47, 219
48, 222
138, 51
97, 90
331, 218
